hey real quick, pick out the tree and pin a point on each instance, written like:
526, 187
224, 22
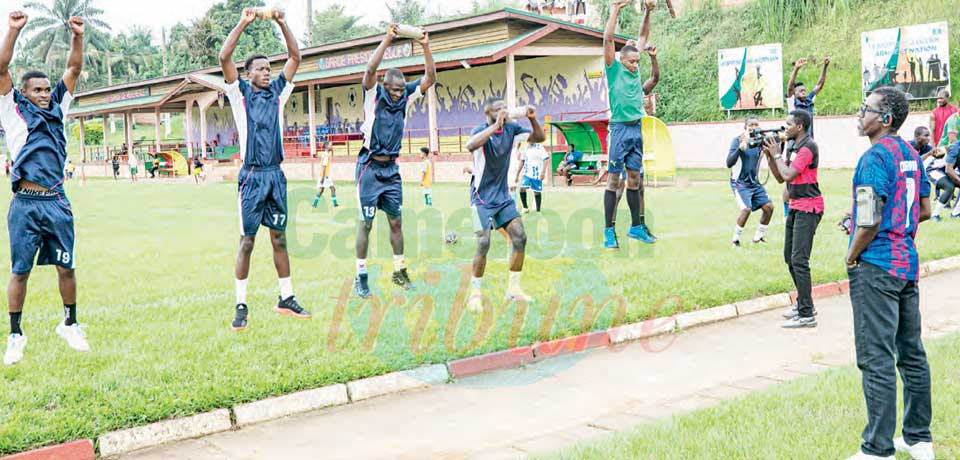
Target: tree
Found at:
133, 56
92, 132
407, 12
198, 44
486, 6
49, 31
332, 25
628, 22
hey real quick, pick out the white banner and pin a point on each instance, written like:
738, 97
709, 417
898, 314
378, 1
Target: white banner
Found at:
914, 58
751, 77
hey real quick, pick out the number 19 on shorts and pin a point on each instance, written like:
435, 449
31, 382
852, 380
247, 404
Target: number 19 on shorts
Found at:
63, 256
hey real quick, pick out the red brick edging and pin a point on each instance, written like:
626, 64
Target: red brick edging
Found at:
76, 450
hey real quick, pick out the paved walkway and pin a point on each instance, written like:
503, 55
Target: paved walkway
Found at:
551, 404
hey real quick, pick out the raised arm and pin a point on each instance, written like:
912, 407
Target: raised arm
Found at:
293, 49
610, 34
230, 74
477, 140
17, 20
429, 68
823, 75
537, 136
645, 28
793, 76
75, 60
370, 76
654, 71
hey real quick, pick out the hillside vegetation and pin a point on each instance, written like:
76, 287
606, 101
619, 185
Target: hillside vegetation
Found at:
688, 47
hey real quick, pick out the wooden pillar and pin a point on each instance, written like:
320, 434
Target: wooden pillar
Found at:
83, 143
312, 118
203, 131
511, 82
83, 153
432, 119
128, 130
106, 145
156, 128
188, 128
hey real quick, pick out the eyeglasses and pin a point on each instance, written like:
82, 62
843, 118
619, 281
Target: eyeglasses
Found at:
864, 109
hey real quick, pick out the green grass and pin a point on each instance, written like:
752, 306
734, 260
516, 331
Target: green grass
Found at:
688, 51
155, 270
811, 418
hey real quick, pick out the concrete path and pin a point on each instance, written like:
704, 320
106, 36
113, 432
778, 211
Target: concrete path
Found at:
551, 404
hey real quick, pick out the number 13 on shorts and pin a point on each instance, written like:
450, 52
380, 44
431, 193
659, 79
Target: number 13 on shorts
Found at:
369, 211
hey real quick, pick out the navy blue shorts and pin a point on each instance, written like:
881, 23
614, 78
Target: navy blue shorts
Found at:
494, 217
263, 199
750, 196
41, 224
379, 187
625, 147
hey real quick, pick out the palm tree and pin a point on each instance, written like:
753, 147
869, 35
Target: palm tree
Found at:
50, 30
133, 54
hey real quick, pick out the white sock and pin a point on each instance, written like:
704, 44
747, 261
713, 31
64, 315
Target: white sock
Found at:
514, 280
475, 282
241, 291
286, 288
737, 230
940, 207
761, 230
956, 208
398, 263
361, 266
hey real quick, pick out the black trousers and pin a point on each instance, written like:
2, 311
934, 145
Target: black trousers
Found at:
797, 245
945, 188
886, 329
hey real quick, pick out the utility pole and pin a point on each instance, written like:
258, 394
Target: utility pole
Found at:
163, 48
310, 22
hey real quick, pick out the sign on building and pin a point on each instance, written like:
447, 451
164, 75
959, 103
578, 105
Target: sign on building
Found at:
362, 57
127, 95
915, 59
751, 77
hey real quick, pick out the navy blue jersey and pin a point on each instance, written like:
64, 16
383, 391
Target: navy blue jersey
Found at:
744, 171
491, 165
35, 137
259, 118
384, 119
921, 151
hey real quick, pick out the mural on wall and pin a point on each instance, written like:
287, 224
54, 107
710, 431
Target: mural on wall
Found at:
220, 125
578, 87
556, 85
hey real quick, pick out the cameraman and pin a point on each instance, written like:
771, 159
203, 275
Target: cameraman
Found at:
891, 198
806, 209
744, 163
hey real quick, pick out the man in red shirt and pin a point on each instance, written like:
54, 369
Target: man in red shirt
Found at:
799, 171
940, 114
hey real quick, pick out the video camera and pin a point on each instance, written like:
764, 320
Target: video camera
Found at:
758, 135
